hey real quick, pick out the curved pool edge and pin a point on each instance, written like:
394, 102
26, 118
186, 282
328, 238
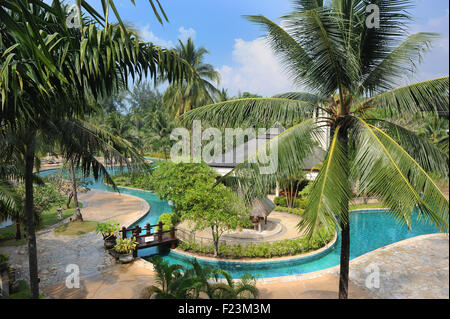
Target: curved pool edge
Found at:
334, 269
307, 256
139, 214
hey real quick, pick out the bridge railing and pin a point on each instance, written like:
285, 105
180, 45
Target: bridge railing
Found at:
137, 230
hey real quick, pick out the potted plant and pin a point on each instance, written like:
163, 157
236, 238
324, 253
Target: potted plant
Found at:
125, 248
109, 232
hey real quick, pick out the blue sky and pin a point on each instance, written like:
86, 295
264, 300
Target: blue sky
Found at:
236, 48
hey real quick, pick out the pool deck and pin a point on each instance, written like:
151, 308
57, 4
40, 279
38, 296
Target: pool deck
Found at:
414, 268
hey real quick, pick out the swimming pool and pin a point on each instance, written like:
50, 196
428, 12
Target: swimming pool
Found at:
369, 230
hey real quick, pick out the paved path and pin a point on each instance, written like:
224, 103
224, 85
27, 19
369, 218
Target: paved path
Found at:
280, 225
55, 252
414, 268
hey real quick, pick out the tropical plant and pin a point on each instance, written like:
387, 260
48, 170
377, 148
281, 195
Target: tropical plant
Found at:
52, 73
108, 229
350, 68
178, 282
198, 89
126, 245
217, 208
435, 128
158, 134
172, 283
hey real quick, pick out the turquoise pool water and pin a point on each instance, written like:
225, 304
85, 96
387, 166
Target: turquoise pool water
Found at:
369, 230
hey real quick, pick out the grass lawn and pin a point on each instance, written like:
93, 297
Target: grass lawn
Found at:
24, 291
48, 218
76, 228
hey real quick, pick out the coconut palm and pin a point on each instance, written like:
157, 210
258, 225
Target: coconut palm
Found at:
198, 90
349, 69
435, 128
158, 134
51, 74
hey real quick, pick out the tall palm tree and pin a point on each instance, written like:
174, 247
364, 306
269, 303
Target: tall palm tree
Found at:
51, 74
327, 48
158, 134
199, 89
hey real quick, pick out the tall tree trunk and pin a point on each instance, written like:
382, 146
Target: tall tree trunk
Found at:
345, 233
215, 242
18, 232
78, 215
29, 213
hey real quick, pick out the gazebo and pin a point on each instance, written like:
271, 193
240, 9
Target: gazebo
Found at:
262, 207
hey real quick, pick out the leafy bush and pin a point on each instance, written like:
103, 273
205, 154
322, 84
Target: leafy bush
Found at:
125, 246
280, 201
3, 258
168, 219
287, 247
108, 229
45, 196
298, 203
295, 211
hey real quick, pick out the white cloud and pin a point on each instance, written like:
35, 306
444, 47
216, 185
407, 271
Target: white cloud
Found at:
149, 36
256, 70
186, 34
183, 34
436, 62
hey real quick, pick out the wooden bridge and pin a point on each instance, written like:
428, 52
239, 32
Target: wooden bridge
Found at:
149, 239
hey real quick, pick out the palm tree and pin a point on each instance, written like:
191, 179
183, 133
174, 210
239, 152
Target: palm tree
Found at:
158, 134
222, 96
198, 89
173, 283
51, 74
350, 69
178, 282
435, 128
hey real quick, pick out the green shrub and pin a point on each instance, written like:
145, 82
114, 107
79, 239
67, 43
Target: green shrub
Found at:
300, 203
3, 258
286, 247
168, 219
280, 201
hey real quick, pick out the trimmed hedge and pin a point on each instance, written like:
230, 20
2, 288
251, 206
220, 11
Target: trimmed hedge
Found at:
287, 247
298, 203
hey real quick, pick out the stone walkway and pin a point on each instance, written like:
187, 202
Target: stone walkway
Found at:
56, 252
413, 268
280, 225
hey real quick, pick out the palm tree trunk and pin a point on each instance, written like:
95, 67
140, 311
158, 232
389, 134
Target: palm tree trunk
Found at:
345, 232
18, 232
78, 215
29, 213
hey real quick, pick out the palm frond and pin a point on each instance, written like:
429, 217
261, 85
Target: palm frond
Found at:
328, 201
9, 199
253, 111
280, 158
427, 96
402, 60
425, 153
386, 170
